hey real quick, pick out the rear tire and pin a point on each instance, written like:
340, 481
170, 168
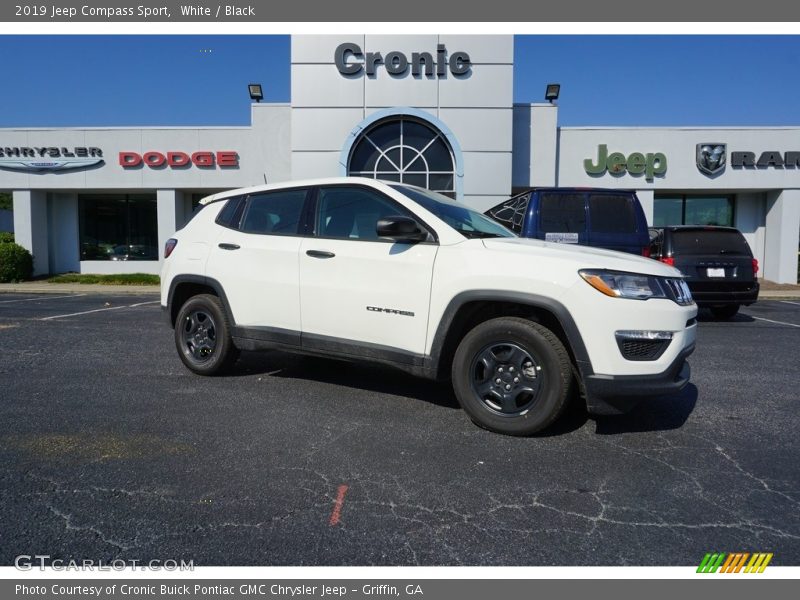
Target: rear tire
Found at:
512, 376
203, 336
725, 312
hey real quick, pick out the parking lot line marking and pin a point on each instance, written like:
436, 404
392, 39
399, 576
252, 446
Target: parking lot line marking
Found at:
85, 312
790, 302
42, 298
778, 322
337, 507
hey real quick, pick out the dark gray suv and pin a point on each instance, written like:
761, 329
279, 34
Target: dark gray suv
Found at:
717, 262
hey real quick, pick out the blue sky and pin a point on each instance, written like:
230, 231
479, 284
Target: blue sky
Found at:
201, 80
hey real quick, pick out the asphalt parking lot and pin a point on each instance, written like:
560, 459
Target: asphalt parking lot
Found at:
110, 448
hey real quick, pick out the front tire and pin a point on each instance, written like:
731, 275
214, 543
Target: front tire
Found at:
512, 376
203, 336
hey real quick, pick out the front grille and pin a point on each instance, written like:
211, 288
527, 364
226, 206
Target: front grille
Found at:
636, 349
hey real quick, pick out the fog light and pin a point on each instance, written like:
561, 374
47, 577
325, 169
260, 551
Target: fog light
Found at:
640, 334
642, 345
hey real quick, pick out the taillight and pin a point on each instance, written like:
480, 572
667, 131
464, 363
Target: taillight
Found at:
755, 266
668, 260
169, 247
646, 251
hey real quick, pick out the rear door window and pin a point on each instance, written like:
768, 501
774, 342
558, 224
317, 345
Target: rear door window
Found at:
609, 213
274, 213
704, 241
562, 213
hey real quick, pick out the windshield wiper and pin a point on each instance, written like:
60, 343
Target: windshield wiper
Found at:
478, 234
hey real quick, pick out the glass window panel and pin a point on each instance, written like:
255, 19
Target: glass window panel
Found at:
667, 211
438, 156
385, 135
562, 213
416, 134
419, 179
118, 227
512, 212
388, 176
412, 161
353, 213
700, 241
364, 156
384, 165
394, 156
276, 213
440, 182
611, 214
709, 211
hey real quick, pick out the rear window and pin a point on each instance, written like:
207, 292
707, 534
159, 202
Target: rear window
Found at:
704, 241
611, 214
562, 213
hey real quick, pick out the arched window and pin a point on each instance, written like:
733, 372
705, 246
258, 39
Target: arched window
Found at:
406, 150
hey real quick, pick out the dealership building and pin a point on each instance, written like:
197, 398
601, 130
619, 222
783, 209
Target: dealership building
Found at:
430, 110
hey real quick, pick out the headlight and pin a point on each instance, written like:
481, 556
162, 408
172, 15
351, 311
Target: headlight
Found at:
637, 286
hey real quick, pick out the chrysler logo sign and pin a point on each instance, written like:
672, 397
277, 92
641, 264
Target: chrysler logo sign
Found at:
41, 159
710, 158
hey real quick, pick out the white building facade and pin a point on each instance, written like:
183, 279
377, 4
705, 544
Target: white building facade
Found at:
429, 110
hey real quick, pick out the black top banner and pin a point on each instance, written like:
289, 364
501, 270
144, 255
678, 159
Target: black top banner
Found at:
262, 11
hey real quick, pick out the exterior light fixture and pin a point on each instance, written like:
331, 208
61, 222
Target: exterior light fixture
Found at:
258, 95
552, 91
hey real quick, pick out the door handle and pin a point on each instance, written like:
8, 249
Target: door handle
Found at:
229, 246
320, 254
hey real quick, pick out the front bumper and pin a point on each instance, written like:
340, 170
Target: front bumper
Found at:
717, 298
616, 394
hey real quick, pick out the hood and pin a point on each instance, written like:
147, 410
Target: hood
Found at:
587, 256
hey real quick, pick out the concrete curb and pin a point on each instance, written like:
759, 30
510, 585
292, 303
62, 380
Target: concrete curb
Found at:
76, 288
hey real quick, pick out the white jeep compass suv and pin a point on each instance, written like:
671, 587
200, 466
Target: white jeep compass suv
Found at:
359, 269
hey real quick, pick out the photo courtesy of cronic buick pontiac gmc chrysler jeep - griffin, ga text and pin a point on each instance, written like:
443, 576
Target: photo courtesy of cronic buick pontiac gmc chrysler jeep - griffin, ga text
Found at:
366, 270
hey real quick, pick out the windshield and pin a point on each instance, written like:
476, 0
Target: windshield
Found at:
467, 222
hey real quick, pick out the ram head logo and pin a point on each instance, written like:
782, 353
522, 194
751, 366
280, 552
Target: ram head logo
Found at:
711, 158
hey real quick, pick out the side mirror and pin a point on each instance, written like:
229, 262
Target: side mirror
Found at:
401, 229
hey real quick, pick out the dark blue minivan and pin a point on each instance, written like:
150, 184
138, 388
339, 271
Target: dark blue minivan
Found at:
604, 218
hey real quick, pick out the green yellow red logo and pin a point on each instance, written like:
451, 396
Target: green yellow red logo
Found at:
734, 562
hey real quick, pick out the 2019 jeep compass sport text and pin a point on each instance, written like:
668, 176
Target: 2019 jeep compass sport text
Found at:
359, 269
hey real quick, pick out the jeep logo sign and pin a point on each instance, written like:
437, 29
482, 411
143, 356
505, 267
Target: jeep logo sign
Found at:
636, 163
351, 60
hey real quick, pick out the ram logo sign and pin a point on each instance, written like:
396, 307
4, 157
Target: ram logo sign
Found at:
711, 158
